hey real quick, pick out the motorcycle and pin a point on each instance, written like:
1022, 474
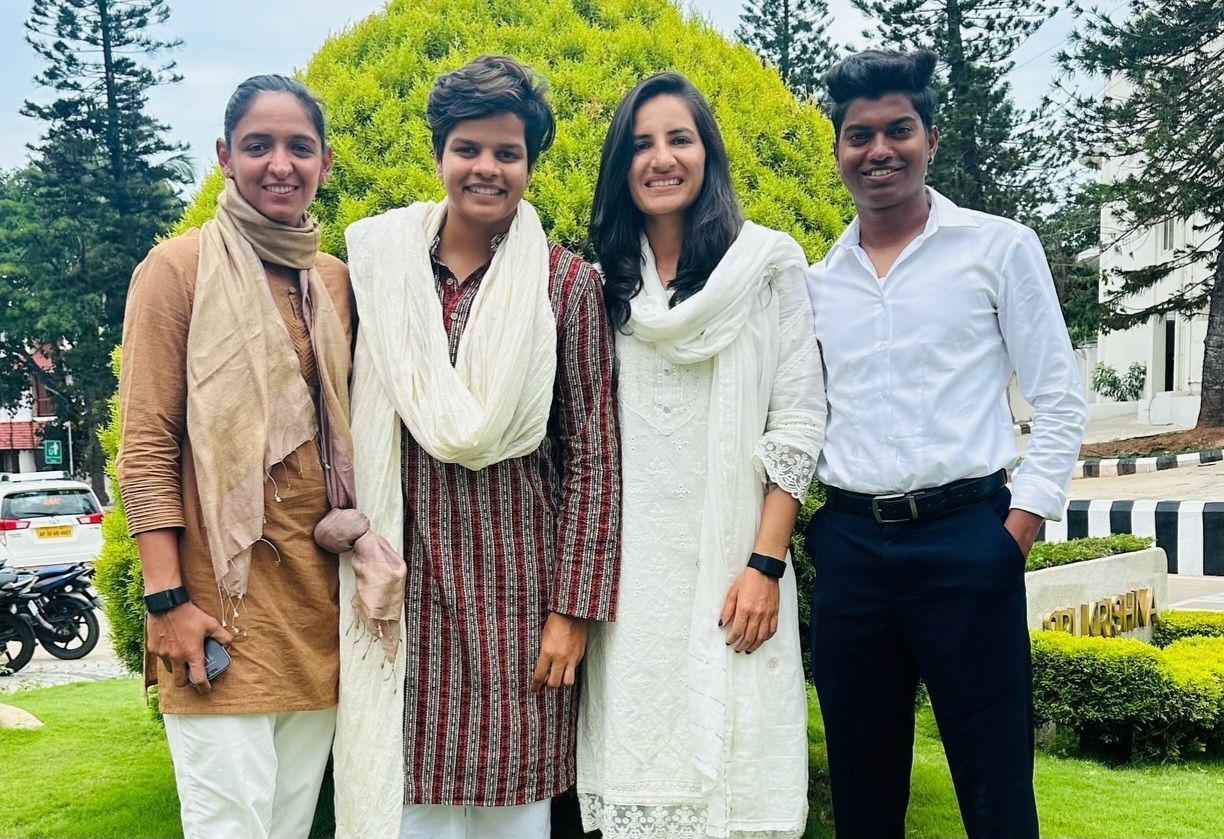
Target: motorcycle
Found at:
62, 614
58, 607
17, 640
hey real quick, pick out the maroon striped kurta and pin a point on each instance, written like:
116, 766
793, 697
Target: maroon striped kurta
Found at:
491, 553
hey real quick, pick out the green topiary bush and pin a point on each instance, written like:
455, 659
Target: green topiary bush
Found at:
374, 79
1174, 625
1112, 692
1051, 554
118, 577
1125, 699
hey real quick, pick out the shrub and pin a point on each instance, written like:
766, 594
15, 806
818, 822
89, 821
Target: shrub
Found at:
1125, 699
1171, 626
1051, 554
118, 577
805, 572
1107, 382
1113, 693
374, 78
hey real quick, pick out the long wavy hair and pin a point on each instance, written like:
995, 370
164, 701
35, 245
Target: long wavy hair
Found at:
711, 223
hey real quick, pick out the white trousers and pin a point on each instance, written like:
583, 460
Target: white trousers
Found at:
443, 821
249, 776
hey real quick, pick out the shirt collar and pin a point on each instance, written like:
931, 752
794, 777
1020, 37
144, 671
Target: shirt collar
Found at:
494, 244
944, 213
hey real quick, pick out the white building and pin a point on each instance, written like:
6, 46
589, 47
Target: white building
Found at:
1169, 346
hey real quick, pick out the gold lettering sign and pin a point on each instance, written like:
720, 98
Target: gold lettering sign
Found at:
1104, 618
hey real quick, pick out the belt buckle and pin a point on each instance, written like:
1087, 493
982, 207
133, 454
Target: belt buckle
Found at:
875, 507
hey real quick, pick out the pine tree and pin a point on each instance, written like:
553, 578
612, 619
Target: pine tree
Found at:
992, 156
100, 189
1161, 127
792, 36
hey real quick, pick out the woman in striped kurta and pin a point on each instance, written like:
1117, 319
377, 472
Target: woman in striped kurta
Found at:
491, 553
486, 439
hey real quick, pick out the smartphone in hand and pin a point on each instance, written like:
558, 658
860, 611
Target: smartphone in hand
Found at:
216, 660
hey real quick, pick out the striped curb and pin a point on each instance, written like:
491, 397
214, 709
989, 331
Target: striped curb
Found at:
1190, 532
1113, 466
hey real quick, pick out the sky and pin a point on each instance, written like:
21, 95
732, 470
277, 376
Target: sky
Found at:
225, 41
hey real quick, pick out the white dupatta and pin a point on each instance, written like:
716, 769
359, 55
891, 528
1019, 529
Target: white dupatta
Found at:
733, 320
492, 405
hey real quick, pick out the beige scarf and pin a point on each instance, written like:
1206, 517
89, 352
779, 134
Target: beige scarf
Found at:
248, 406
493, 404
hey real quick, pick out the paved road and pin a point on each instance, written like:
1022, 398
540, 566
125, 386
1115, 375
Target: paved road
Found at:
1196, 593
1186, 483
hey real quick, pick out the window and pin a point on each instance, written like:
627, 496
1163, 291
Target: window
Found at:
47, 502
1166, 234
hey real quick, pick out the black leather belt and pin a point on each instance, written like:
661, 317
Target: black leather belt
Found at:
919, 504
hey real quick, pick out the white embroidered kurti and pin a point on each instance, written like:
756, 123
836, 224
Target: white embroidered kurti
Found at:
636, 773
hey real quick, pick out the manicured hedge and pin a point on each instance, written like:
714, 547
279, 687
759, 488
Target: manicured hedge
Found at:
1174, 625
1051, 554
1126, 699
118, 577
374, 78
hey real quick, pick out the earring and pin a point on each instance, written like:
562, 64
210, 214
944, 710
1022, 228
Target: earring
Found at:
930, 160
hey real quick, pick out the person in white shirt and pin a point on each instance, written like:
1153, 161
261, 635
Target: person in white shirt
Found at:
923, 310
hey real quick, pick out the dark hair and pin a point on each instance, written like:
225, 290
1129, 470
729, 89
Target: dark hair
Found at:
710, 224
243, 95
488, 86
871, 74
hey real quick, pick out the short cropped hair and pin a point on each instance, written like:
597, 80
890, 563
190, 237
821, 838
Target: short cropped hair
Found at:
485, 87
872, 74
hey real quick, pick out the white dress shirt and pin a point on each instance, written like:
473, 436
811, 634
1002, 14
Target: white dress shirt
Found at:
917, 363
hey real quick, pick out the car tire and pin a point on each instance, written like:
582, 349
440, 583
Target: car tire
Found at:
16, 643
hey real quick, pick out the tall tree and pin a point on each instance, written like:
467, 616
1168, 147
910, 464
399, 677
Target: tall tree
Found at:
991, 155
1160, 130
1071, 235
791, 35
99, 189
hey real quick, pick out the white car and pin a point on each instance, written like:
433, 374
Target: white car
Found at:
47, 520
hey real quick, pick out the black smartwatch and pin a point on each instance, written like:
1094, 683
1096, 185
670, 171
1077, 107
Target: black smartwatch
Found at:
164, 601
767, 565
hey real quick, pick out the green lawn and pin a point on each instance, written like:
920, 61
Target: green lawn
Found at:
100, 768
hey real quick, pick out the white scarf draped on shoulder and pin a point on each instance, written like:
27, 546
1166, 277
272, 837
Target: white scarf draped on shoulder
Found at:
492, 405
733, 319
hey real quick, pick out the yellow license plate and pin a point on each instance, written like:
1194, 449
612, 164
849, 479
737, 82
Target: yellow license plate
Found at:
56, 532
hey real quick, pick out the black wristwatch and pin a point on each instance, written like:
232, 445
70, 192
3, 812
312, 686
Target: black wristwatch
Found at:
164, 601
767, 565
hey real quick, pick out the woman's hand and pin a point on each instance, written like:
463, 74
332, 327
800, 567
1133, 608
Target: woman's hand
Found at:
562, 643
177, 638
750, 611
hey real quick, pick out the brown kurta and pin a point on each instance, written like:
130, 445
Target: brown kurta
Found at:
286, 653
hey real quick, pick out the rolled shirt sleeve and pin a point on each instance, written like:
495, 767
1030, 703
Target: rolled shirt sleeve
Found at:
1039, 346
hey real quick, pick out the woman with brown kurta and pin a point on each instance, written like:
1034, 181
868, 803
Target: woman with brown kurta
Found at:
236, 354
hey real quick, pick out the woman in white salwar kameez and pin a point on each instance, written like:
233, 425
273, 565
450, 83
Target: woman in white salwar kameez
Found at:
693, 714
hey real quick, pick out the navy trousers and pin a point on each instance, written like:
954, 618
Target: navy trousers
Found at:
941, 600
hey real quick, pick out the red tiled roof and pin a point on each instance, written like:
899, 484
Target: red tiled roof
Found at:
20, 435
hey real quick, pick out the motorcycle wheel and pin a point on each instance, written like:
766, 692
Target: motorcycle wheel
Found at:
16, 643
76, 629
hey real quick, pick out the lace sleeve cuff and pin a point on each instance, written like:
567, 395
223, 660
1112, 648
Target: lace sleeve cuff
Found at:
783, 465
